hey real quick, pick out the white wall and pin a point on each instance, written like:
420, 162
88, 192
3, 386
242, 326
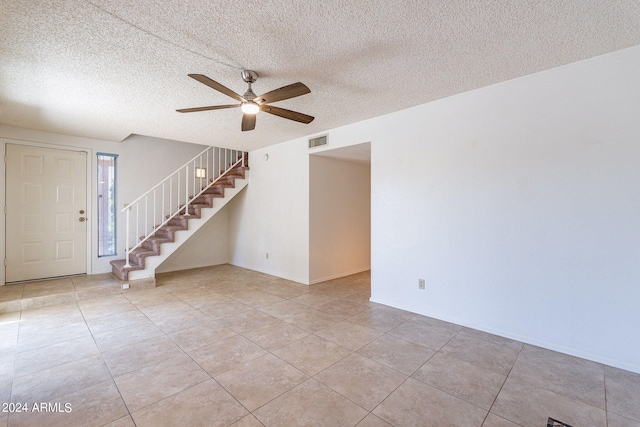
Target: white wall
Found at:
518, 204
142, 162
339, 218
209, 246
271, 215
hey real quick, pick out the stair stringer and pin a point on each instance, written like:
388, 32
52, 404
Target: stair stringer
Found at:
181, 236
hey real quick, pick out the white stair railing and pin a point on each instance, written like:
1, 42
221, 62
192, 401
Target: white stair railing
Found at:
173, 194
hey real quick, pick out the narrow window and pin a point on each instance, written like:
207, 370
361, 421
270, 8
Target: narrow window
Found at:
107, 204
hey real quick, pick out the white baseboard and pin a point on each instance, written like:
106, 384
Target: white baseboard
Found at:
527, 340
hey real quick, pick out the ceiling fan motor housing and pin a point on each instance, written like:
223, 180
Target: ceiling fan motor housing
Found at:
251, 104
249, 76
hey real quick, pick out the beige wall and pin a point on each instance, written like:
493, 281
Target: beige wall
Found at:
209, 246
339, 218
142, 162
271, 215
517, 203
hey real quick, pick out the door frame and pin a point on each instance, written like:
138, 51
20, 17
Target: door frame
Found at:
3, 196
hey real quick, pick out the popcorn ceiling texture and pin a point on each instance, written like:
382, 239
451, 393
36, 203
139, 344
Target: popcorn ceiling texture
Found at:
106, 69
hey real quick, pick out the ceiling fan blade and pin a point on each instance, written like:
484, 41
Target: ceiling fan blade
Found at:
285, 92
287, 114
217, 86
212, 107
248, 122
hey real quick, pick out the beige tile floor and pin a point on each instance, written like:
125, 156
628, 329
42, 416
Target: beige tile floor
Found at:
225, 346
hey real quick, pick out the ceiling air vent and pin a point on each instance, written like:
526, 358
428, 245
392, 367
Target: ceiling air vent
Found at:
317, 142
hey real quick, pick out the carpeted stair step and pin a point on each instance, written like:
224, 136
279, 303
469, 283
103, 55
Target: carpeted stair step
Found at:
214, 191
181, 221
153, 243
195, 209
206, 200
166, 233
119, 270
226, 182
138, 255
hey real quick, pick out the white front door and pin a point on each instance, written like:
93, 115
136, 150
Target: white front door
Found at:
46, 227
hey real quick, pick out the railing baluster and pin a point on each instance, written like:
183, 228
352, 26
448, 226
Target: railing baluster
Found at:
222, 160
186, 190
137, 221
146, 214
126, 238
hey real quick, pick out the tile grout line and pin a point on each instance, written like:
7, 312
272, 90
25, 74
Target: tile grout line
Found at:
310, 333
558, 393
137, 342
444, 391
107, 367
15, 359
606, 402
309, 377
205, 371
502, 386
356, 352
216, 381
84, 358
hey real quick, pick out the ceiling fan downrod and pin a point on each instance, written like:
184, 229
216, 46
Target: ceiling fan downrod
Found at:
249, 77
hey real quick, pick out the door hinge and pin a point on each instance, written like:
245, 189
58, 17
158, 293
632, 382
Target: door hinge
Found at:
5, 210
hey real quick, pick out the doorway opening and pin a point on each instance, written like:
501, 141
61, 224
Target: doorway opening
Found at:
339, 212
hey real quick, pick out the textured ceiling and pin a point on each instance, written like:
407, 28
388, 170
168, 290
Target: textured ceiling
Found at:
110, 68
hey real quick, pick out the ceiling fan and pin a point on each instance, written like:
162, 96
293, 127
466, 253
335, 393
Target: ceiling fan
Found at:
252, 104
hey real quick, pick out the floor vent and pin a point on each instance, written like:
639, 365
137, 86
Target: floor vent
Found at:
317, 142
556, 423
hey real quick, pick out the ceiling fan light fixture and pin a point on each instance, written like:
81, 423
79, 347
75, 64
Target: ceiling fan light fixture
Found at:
250, 107
250, 104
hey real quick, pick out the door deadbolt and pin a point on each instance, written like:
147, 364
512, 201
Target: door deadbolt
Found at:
81, 212
82, 219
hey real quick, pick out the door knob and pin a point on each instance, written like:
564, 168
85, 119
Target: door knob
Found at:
82, 219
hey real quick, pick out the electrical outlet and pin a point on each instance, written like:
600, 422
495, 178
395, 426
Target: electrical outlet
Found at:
421, 284
125, 286
267, 255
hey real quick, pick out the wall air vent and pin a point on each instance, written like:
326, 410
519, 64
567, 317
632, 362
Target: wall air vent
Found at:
317, 142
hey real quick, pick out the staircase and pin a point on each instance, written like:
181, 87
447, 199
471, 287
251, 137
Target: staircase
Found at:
162, 219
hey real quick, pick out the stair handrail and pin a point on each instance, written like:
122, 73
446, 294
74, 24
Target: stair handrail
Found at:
168, 176
219, 164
